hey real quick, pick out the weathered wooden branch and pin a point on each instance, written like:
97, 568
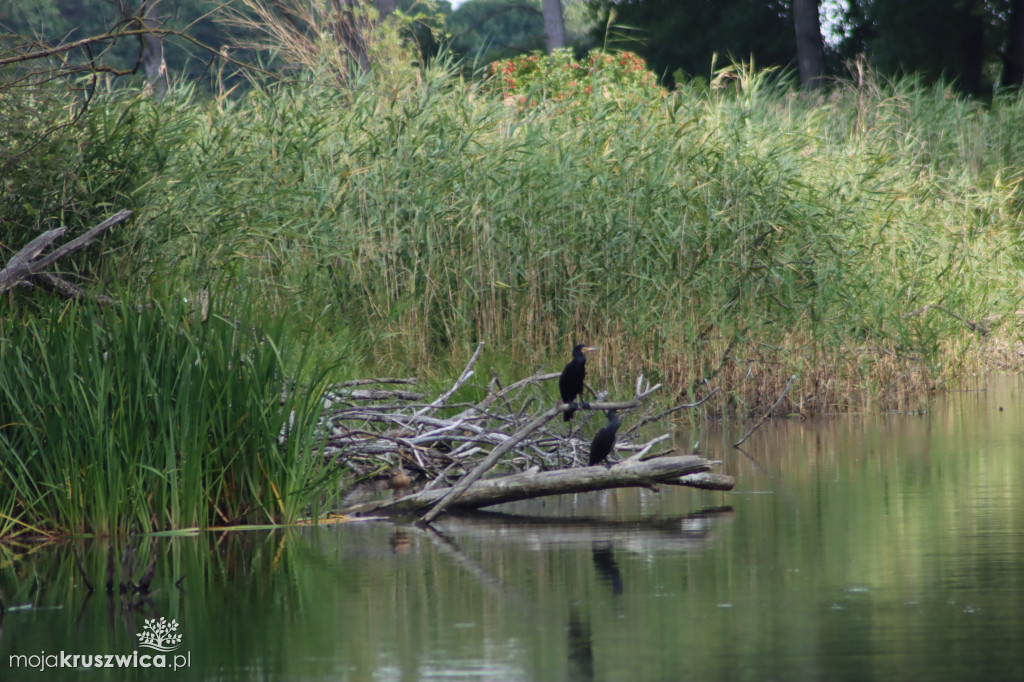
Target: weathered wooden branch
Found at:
70, 291
705, 480
539, 484
508, 390
463, 378
453, 494
27, 264
642, 391
80, 241
671, 410
982, 327
381, 394
383, 380
20, 265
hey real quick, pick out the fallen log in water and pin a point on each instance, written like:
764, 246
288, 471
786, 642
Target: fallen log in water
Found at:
484, 493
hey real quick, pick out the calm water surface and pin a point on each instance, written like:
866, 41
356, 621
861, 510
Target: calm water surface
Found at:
854, 548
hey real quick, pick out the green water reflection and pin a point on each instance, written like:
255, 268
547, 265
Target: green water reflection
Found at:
881, 548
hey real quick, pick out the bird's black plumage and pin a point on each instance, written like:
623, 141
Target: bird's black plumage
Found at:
604, 441
570, 384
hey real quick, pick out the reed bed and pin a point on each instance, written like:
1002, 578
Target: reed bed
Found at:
867, 241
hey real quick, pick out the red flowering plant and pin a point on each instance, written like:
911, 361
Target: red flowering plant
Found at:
531, 79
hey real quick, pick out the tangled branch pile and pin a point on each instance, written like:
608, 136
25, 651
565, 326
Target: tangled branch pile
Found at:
375, 431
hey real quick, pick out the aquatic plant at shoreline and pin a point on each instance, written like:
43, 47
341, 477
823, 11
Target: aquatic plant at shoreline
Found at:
155, 418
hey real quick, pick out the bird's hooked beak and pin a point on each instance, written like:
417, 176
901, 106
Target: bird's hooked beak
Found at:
589, 349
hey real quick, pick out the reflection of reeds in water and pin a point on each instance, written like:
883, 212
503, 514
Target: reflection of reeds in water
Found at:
95, 583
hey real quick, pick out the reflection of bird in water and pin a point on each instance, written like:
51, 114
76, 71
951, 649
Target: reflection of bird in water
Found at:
607, 568
399, 482
581, 648
570, 384
604, 440
400, 540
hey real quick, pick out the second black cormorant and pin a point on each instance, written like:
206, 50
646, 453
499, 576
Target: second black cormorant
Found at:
570, 384
604, 441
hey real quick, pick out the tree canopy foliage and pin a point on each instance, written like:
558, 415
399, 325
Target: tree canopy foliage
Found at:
495, 29
963, 40
67, 20
973, 42
684, 35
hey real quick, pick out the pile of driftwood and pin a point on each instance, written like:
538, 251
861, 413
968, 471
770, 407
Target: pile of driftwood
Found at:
380, 432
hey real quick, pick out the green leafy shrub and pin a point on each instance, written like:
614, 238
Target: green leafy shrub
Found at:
561, 78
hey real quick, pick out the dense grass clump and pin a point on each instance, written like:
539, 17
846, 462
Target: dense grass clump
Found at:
152, 418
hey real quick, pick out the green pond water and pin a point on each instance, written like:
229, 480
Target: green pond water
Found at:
853, 548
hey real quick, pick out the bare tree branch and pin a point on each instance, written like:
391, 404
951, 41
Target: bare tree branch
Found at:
27, 263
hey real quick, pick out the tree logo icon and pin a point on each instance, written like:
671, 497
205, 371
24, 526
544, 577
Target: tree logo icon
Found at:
159, 635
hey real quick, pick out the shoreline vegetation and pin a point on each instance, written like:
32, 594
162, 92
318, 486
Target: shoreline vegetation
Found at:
866, 241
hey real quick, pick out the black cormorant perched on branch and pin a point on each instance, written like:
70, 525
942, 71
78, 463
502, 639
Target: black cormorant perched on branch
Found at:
604, 441
570, 384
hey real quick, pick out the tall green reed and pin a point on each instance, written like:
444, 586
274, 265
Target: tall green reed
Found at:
154, 418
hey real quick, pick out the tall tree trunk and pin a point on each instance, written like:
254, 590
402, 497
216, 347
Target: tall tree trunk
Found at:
1013, 58
147, 16
810, 48
973, 46
554, 25
385, 7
